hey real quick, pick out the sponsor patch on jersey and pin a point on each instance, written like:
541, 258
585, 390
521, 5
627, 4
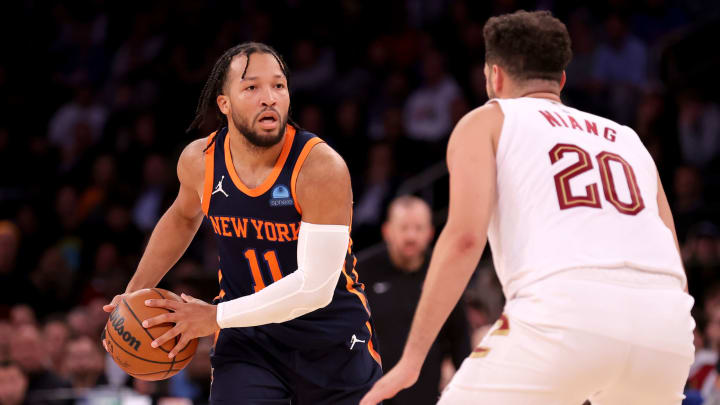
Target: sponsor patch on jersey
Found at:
281, 196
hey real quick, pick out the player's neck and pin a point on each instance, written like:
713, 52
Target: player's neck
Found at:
543, 94
536, 89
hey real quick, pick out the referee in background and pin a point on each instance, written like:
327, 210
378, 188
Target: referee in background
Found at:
393, 276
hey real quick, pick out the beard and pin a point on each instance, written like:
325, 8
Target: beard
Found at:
261, 141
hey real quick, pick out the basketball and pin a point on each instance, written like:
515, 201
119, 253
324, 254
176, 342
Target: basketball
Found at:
129, 343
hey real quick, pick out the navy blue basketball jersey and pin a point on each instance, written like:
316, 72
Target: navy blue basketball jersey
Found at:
257, 231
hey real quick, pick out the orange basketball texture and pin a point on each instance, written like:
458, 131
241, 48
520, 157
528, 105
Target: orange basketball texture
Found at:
129, 343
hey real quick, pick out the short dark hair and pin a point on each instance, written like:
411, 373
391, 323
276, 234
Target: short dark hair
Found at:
529, 45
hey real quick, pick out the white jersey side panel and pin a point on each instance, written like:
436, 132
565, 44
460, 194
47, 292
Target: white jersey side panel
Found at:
575, 190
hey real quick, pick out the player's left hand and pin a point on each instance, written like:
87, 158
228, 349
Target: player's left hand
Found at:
402, 376
192, 318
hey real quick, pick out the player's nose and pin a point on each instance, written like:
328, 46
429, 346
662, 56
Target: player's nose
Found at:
268, 98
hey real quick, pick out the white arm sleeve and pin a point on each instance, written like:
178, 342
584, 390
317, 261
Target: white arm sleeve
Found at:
321, 253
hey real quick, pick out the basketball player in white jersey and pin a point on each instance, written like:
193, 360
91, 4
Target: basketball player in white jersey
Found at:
582, 239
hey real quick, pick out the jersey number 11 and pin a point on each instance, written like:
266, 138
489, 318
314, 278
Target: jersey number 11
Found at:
272, 262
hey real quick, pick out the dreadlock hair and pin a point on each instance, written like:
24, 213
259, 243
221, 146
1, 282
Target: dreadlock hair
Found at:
215, 83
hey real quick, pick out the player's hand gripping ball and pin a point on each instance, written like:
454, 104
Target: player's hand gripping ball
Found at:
128, 342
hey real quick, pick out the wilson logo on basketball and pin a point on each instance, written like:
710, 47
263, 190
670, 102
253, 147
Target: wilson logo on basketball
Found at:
118, 323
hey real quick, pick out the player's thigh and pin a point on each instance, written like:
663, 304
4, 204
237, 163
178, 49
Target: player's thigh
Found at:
463, 396
336, 375
650, 377
519, 363
247, 384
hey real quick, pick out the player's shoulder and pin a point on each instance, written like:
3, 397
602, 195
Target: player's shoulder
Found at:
323, 162
481, 124
489, 116
196, 148
488, 110
191, 164
323, 186
323, 177
193, 155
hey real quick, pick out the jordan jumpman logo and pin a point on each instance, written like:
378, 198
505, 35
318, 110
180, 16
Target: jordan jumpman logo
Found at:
219, 188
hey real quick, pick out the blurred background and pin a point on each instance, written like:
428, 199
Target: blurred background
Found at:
95, 97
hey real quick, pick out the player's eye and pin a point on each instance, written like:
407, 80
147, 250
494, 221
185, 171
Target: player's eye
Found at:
251, 88
280, 86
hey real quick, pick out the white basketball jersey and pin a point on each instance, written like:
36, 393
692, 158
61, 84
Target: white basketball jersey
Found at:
575, 190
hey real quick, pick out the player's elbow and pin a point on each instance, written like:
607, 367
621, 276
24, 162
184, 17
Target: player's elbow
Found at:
316, 293
313, 302
465, 235
182, 220
325, 301
467, 242
323, 297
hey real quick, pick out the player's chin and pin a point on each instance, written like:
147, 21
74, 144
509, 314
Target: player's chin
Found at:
266, 138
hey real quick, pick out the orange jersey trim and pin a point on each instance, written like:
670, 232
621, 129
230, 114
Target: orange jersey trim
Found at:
375, 355
209, 167
222, 292
220, 295
349, 285
272, 177
352, 289
298, 165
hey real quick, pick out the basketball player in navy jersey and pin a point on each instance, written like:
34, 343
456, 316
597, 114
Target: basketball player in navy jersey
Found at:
291, 320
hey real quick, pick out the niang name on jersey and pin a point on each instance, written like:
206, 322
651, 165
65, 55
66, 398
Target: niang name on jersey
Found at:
234, 227
555, 119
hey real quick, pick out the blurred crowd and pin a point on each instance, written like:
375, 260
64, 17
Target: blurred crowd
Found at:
59, 361
96, 97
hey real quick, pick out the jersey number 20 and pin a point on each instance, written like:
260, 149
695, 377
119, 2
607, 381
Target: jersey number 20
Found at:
591, 198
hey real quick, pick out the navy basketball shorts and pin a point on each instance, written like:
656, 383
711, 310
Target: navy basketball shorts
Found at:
256, 369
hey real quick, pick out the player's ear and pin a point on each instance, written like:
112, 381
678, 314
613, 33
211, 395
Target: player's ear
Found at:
563, 79
223, 103
498, 79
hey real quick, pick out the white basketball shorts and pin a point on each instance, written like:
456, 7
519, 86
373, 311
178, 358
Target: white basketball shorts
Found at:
613, 336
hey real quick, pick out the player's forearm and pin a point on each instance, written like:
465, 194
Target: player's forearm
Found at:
279, 302
321, 252
169, 240
453, 262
